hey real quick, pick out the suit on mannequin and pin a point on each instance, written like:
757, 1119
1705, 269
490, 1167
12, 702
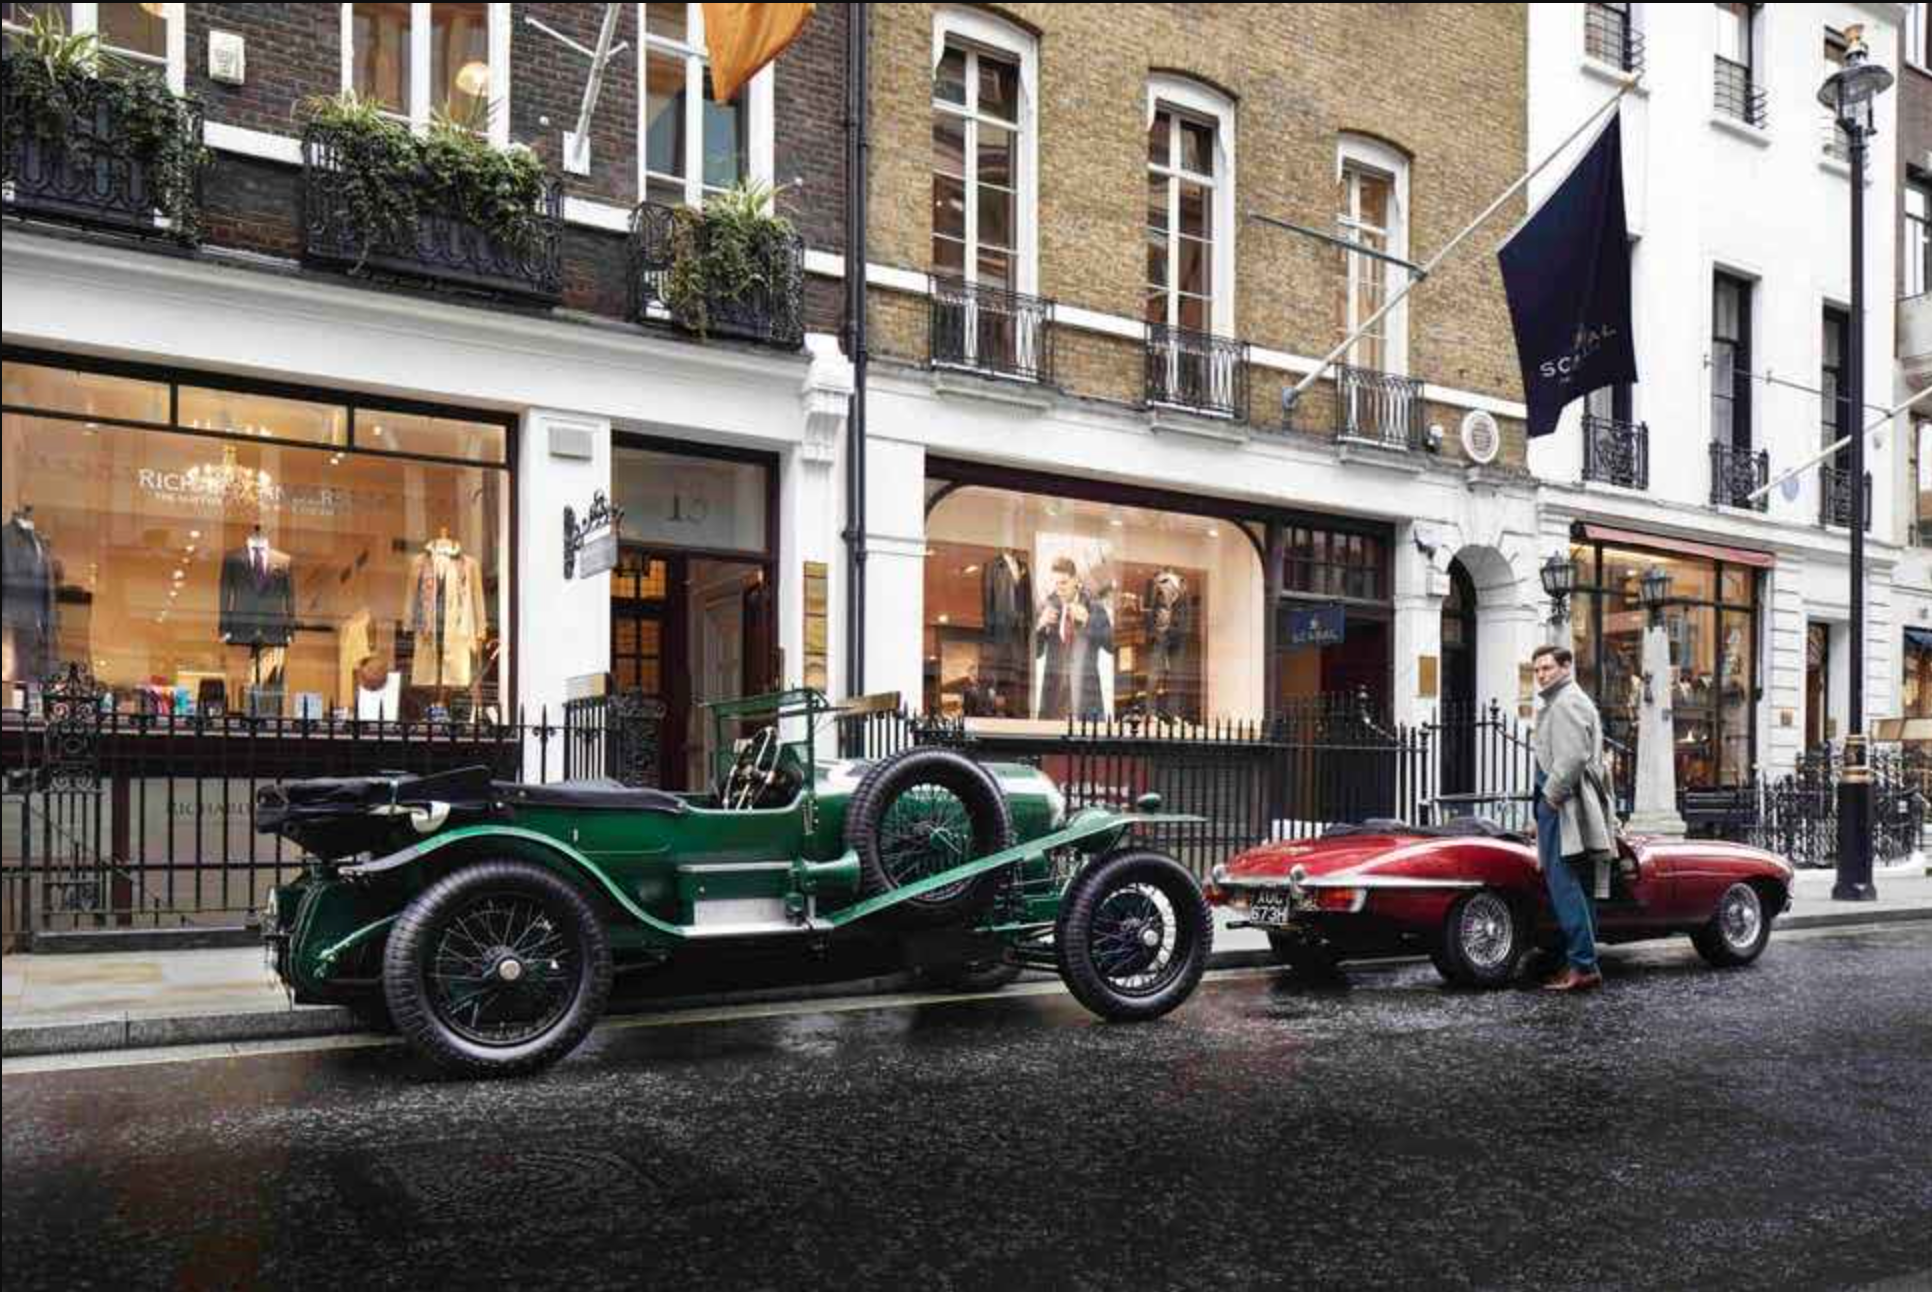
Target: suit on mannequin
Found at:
27, 617
446, 612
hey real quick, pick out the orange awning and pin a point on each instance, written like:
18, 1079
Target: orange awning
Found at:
742, 38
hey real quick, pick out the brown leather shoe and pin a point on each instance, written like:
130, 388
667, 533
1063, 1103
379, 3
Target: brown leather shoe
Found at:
1573, 980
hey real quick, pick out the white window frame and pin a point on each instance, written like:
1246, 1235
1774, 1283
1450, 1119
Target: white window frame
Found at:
86, 18
974, 30
420, 61
1361, 153
1912, 35
759, 127
1191, 98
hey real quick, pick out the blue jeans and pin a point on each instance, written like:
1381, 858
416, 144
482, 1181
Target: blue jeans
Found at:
1574, 913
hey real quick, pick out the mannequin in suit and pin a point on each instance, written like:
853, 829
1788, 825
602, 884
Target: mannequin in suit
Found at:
258, 611
446, 613
1006, 608
27, 619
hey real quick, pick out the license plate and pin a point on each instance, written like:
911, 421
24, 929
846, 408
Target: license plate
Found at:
1271, 907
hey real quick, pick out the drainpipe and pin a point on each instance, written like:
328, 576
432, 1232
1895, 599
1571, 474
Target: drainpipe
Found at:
858, 150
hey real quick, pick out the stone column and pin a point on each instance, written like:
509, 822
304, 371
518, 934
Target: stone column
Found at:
1655, 811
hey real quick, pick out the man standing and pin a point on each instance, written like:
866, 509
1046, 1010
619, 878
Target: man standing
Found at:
1071, 632
1575, 814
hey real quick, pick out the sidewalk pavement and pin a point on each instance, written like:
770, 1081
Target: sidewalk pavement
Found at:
55, 1004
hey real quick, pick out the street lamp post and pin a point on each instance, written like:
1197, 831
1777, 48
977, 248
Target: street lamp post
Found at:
1849, 94
1559, 581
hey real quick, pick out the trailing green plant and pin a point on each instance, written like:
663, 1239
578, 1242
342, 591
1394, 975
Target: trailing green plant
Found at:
56, 79
737, 245
390, 178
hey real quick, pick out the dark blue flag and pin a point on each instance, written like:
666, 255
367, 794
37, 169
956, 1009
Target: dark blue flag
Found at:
1566, 272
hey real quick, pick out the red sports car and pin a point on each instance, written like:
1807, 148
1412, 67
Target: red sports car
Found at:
1469, 895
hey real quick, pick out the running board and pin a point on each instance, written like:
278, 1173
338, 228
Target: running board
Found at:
754, 929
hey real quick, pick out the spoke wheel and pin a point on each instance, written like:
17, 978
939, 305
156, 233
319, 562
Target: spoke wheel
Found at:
918, 814
1482, 942
1133, 935
497, 968
923, 831
1738, 929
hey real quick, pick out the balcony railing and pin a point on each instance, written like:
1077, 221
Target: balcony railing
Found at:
989, 330
443, 250
1378, 406
1735, 473
1610, 37
1615, 452
1737, 95
767, 308
1197, 371
1835, 498
91, 173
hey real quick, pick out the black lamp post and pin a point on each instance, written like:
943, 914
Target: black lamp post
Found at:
1559, 581
1849, 94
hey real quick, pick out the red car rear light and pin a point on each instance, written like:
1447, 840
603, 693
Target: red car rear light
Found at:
1337, 899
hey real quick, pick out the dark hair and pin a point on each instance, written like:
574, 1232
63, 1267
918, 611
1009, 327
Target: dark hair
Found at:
1064, 565
1561, 654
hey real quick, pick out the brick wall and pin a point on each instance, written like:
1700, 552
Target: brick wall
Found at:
294, 51
1443, 82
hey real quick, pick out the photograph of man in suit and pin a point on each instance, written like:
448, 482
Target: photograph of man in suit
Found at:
1071, 631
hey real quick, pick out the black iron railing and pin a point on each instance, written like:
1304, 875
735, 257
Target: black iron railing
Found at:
1197, 371
1610, 37
1616, 452
91, 173
767, 308
1736, 473
1797, 814
443, 249
117, 820
1736, 94
1835, 497
990, 330
1378, 406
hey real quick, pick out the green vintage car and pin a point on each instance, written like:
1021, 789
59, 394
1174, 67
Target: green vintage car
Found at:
485, 919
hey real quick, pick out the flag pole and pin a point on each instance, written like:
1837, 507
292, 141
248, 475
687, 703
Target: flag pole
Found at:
1418, 275
1833, 447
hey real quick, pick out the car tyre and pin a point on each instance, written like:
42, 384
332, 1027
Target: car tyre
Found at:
1133, 935
1738, 929
920, 812
497, 969
1311, 960
1484, 939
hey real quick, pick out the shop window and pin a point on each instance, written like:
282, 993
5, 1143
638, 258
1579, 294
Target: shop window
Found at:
1917, 693
1039, 608
143, 35
428, 60
690, 144
240, 556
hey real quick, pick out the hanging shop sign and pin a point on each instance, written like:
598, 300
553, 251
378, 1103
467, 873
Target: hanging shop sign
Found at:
1317, 626
590, 544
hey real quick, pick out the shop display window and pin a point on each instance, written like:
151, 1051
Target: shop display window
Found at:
243, 556
1040, 608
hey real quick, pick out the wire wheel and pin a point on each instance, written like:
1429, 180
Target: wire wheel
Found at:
1740, 915
1133, 935
1133, 939
1487, 932
924, 830
501, 971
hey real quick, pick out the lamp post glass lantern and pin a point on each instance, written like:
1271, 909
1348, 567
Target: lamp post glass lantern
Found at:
1559, 581
1850, 94
1654, 591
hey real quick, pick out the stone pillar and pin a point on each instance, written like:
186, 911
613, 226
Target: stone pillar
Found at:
1655, 811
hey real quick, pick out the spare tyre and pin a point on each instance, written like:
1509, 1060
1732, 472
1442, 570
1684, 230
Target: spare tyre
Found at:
921, 812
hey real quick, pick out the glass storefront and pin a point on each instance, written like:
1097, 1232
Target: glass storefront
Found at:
1712, 622
1917, 692
209, 547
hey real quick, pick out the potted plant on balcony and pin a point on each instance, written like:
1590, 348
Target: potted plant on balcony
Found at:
731, 268
97, 138
444, 205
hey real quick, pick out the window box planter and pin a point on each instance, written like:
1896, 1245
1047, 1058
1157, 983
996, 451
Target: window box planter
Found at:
766, 307
98, 171
443, 248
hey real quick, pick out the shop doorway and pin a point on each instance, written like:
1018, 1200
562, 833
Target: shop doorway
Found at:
693, 597
1459, 682
1819, 727
1359, 664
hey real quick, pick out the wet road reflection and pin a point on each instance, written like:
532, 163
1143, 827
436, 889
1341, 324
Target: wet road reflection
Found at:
1684, 1128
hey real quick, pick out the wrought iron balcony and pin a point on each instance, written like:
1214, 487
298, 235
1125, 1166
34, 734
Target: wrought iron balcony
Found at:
91, 173
1735, 473
767, 308
444, 249
1835, 498
990, 330
1615, 452
1197, 371
1378, 406
1737, 95
1610, 37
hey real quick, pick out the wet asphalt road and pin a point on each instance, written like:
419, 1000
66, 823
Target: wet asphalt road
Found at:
1687, 1128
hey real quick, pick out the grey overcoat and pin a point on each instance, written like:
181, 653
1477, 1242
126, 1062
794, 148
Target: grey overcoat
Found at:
1569, 752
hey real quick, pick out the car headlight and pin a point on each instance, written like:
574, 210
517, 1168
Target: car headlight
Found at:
1056, 806
272, 910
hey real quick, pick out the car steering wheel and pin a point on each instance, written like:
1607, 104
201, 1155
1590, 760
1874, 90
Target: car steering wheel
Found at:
752, 771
